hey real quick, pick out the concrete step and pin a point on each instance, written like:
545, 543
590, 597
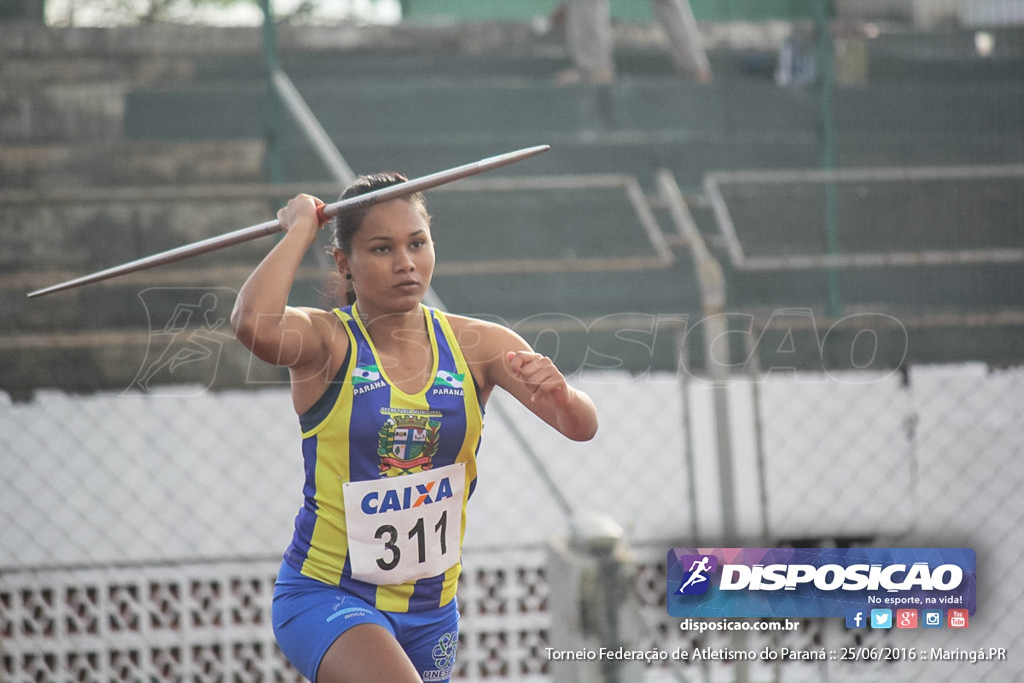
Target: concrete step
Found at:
129, 163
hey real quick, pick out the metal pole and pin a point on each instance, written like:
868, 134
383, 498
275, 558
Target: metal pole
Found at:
711, 282
274, 131
825, 51
322, 144
549, 479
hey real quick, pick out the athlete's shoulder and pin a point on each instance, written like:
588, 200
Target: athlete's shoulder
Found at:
483, 340
316, 313
324, 322
464, 326
327, 337
328, 313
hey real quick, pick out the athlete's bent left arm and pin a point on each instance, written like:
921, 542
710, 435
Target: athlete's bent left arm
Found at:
549, 396
504, 359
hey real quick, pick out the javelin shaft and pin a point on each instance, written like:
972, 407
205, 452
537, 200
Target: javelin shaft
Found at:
252, 232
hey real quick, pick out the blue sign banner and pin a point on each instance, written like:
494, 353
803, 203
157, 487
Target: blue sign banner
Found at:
818, 582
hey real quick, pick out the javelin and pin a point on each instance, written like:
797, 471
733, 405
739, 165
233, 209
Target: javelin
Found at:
325, 212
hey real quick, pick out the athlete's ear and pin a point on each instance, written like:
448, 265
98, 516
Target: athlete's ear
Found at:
341, 261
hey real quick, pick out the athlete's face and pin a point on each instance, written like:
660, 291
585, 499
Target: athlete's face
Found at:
391, 259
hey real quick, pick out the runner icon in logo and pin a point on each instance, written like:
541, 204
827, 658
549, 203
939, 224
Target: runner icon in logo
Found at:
697, 580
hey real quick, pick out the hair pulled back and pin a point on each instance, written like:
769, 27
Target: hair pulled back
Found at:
346, 224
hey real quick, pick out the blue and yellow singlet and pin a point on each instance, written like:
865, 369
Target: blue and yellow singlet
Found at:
388, 475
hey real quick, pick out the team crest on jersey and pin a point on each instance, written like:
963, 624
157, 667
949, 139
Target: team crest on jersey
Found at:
407, 443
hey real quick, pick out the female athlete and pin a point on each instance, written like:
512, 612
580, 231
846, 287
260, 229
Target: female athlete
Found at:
390, 396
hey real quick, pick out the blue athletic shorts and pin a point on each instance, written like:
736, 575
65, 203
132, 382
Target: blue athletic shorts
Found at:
309, 615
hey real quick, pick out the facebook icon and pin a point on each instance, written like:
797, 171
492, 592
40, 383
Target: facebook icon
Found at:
855, 618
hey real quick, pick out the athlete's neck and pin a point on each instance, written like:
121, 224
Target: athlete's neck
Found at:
394, 330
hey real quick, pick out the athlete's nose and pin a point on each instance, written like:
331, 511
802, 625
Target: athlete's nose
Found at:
404, 261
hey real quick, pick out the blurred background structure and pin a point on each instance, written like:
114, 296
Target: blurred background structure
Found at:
796, 294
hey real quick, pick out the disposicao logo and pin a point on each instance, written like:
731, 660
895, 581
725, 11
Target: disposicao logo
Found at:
823, 582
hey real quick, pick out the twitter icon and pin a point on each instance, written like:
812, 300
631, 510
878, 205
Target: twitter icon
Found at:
881, 618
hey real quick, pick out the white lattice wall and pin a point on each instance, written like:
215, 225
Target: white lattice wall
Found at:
211, 622
173, 623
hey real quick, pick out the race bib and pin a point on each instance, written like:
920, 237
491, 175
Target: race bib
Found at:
405, 528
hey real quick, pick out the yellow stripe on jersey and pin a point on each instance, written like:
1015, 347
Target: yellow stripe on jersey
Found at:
329, 544
474, 427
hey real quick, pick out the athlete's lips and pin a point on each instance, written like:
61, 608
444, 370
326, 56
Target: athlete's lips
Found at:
408, 285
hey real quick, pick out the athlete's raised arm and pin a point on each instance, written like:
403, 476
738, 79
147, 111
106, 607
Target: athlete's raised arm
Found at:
262, 320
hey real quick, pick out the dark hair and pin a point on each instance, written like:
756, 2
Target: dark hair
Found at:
345, 225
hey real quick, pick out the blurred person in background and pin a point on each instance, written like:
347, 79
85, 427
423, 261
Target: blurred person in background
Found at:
390, 398
588, 35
